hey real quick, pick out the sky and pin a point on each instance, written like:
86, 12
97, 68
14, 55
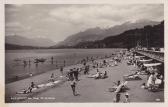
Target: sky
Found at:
58, 21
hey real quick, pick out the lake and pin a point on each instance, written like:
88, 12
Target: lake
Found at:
16, 67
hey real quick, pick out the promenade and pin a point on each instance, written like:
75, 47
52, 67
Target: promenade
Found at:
88, 89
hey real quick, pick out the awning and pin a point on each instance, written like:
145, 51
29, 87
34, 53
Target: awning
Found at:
145, 60
152, 64
139, 56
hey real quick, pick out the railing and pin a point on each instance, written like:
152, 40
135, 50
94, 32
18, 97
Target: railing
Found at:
157, 55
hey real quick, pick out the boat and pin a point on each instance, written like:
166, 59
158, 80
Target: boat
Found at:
37, 60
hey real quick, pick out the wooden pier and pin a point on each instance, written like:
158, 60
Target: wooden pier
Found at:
157, 55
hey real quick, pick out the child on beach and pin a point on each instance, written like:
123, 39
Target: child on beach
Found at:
143, 86
52, 60
52, 77
61, 70
127, 98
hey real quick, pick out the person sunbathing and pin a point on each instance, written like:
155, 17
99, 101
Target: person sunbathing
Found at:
103, 76
95, 75
29, 90
132, 76
98, 75
32, 87
24, 91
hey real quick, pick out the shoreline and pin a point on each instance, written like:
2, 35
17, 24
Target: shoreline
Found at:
10, 80
25, 73
90, 90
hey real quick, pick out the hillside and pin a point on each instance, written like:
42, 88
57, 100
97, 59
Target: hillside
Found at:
149, 36
23, 41
16, 47
94, 34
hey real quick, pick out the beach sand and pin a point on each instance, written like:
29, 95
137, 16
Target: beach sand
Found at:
89, 89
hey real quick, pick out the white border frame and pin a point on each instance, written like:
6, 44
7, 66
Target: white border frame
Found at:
2, 53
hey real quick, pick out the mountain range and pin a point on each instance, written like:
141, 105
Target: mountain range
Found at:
148, 36
87, 36
97, 33
23, 41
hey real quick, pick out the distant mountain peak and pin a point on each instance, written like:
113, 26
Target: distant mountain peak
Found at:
142, 20
98, 33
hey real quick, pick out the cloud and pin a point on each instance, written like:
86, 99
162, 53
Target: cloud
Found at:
105, 13
16, 27
57, 21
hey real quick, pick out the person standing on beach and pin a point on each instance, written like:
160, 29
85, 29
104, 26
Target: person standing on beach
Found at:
84, 62
52, 77
86, 69
64, 63
117, 98
29, 62
73, 86
76, 72
52, 60
37, 65
71, 76
56, 64
97, 65
25, 63
104, 62
92, 59
61, 70
87, 58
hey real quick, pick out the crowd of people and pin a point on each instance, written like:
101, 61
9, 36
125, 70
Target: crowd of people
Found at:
154, 79
154, 72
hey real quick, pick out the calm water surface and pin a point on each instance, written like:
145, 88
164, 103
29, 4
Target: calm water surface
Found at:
14, 65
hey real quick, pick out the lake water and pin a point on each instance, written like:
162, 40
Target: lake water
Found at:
14, 65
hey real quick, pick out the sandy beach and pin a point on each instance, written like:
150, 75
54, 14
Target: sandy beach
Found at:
88, 89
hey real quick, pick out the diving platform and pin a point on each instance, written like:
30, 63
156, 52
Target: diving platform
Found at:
157, 55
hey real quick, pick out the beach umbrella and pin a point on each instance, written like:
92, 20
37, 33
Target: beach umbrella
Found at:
139, 56
152, 64
146, 60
